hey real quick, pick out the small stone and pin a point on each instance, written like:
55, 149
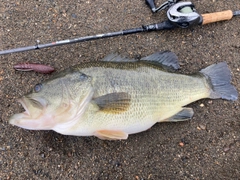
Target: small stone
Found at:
74, 16
226, 148
2, 148
181, 144
203, 127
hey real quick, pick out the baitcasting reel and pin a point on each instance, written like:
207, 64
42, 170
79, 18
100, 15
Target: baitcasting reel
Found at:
181, 14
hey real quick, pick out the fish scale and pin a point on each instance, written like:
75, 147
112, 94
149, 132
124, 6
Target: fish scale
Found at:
148, 101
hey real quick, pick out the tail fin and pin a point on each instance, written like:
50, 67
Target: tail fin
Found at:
220, 77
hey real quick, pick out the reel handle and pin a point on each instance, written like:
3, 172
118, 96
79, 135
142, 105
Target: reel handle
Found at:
217, 16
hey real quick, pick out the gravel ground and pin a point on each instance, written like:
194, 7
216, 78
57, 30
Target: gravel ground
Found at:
207, 147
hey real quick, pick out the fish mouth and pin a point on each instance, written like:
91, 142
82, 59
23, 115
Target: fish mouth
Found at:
32, 104
22, 101
34, 117
33, 107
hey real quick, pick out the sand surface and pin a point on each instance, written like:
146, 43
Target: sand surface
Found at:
207, 147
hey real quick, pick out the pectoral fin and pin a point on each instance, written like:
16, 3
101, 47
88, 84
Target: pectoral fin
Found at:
113, 102
111, 135
183, 115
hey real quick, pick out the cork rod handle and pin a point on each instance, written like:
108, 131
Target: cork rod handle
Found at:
217, 16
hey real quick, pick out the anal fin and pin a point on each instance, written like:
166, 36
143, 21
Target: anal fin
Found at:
183, 115
111, 135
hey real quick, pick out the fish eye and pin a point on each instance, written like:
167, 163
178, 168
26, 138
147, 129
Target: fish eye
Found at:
37, 87
83, 77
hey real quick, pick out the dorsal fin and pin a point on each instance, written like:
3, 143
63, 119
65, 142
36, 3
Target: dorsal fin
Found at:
117, 58
166, 58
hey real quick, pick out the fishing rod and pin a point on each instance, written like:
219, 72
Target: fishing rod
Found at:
180, 14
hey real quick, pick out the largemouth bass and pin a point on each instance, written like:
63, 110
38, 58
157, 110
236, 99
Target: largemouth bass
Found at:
118, 96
